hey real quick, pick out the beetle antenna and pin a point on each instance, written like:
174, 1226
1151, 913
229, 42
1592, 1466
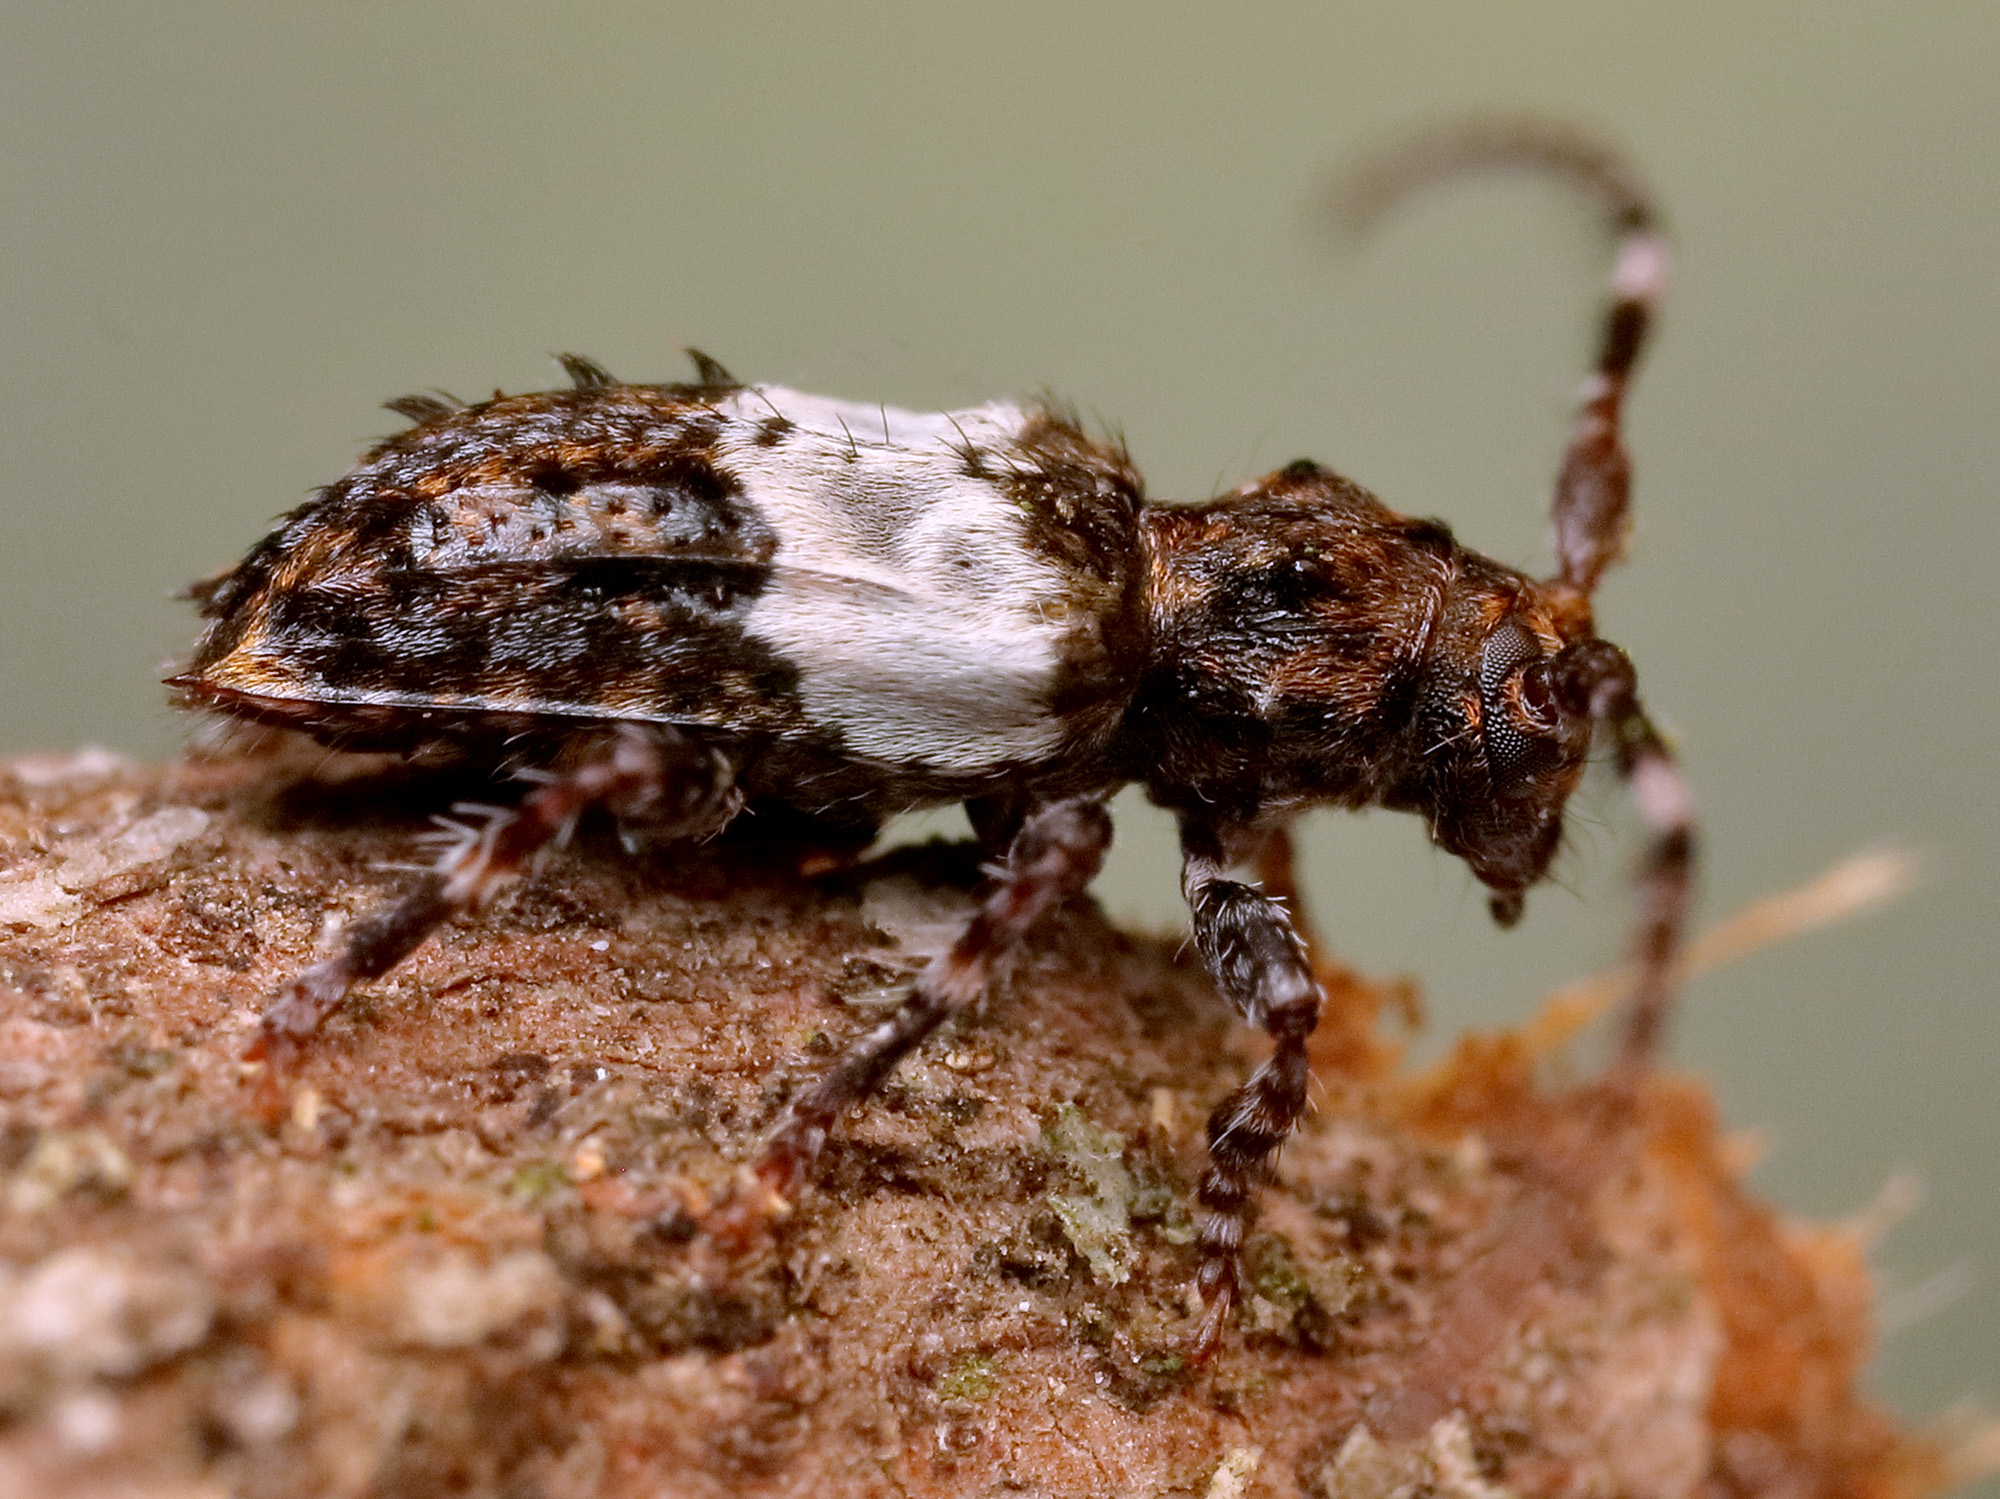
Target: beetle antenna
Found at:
1593, 486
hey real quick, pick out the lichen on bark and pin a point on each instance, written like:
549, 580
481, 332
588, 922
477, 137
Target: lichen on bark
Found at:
468, 1259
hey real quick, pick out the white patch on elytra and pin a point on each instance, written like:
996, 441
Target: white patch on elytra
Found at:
924, 628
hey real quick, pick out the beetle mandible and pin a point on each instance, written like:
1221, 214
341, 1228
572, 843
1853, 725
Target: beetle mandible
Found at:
682, 602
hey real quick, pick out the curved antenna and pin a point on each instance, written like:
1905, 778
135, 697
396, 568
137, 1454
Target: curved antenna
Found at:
1593, 486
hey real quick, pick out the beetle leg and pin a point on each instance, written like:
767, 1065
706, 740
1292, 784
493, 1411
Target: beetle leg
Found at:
1253, 950
1666, 882
1277, 870
1277, 867
1345, 1042
1596, 678
1055, 855
654, 777
996, 819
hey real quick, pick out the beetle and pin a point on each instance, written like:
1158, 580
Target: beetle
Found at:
681, 603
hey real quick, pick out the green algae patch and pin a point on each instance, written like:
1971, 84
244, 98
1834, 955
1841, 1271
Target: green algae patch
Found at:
1298, 1301
972, 1378
1097, 1219
537, 1180
1161, 1204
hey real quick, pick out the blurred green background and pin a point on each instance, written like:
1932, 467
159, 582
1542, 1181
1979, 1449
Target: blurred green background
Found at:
228, 231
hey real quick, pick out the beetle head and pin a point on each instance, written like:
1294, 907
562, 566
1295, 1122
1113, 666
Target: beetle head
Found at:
1515, 684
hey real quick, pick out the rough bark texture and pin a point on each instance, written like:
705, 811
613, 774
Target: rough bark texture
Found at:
468, 1261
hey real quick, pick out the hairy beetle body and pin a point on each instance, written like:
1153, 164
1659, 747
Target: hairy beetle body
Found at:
683, 603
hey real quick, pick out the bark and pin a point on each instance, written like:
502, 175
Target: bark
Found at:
468, 1258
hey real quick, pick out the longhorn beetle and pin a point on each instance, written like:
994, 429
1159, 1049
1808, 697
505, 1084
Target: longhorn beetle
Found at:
678, 602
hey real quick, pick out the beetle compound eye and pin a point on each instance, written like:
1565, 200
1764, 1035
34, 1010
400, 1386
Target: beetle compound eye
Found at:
1506, 648
1508, 748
